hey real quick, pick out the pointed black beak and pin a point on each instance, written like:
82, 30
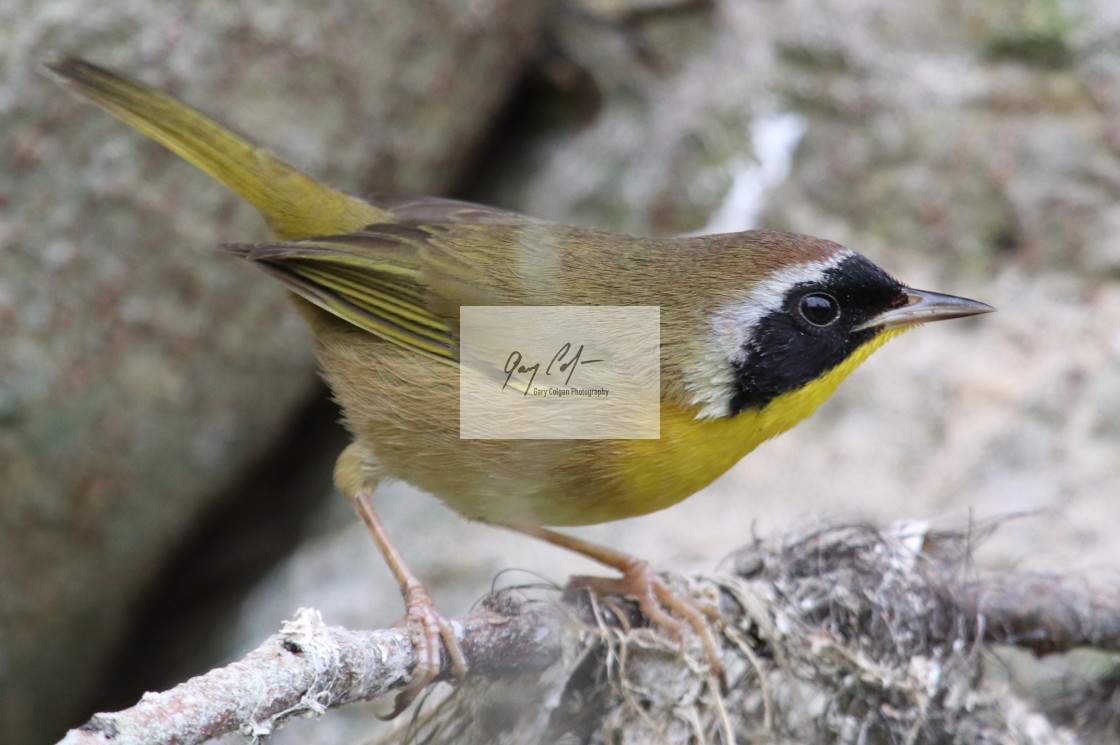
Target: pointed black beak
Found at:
923, 307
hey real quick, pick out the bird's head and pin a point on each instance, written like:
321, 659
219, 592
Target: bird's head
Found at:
813, 312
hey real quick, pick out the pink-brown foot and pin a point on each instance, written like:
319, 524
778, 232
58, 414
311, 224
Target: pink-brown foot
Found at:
657, 600
431, 634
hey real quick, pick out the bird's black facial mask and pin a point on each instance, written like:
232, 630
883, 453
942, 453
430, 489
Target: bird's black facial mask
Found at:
812, 331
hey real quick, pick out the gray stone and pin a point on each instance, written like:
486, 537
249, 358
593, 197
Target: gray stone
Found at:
140, 371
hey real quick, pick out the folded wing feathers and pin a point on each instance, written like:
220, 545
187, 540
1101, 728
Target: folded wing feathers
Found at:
372, 279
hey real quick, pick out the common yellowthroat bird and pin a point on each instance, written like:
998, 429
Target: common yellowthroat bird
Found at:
757, 329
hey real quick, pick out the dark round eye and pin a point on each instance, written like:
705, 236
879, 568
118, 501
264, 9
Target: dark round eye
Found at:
819, 309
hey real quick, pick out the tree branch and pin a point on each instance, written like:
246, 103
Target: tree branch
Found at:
1044, 613
309, 667
842, 615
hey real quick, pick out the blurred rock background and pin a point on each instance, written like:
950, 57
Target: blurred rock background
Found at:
162, 437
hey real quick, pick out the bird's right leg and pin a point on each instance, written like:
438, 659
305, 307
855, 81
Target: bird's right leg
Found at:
639, 581
357, 475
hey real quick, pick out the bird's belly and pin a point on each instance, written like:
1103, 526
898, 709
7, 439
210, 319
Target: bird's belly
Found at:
404, 410
553, 482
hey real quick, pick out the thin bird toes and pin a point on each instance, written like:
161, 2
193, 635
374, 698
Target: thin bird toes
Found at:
431, 634
659, 603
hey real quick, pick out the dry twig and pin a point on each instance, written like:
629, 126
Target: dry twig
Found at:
846, 635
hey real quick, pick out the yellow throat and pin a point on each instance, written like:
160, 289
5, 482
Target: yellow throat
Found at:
691, 453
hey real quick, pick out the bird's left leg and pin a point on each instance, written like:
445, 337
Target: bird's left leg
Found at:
356, 477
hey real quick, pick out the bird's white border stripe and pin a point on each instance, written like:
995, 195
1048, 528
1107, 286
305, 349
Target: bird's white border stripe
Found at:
712, 380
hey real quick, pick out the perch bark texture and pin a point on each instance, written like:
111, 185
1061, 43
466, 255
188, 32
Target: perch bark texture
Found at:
845, 635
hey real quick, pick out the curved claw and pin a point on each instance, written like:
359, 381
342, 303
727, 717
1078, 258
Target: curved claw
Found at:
638, 580
430, 631
431, 634
656, 600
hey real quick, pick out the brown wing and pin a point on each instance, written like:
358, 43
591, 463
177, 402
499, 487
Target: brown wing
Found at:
405, 281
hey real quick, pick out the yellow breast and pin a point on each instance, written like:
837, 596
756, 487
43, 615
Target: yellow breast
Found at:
691, 453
